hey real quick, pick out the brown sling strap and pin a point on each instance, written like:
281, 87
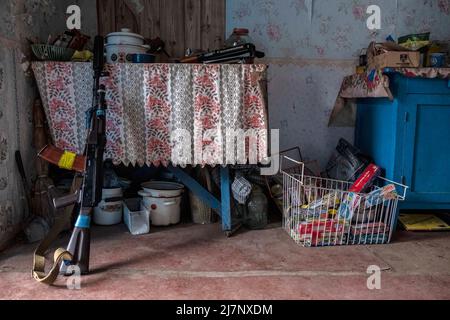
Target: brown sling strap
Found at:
61, 254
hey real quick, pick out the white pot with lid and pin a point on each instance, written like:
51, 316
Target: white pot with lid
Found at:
163, 211
125, 37
109, 210
122, 53
162, 189
163, 200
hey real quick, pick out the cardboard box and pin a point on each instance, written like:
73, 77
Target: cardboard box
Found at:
396, 59
391, 55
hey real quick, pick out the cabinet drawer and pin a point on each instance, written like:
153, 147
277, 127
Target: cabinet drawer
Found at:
428, 86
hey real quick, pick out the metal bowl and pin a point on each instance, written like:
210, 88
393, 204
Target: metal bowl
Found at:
46, 52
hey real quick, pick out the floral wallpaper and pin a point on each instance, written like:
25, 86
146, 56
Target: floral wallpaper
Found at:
19, 20
312, 44
333, 29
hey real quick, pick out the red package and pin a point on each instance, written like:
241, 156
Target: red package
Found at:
365, 181
323, 238
329, 226
369, 228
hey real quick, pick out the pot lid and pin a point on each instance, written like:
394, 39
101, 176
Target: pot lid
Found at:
162, 186
148, 195
128, 45
125, 32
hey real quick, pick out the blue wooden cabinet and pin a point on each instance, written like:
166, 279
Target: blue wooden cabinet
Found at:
410, 138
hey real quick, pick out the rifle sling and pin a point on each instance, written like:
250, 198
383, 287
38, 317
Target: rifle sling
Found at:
60, 255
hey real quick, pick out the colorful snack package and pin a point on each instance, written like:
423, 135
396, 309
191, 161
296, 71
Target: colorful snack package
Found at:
330, 200
378, 196
349, 206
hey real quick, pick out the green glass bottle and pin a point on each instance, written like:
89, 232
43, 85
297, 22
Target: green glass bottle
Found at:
257, 208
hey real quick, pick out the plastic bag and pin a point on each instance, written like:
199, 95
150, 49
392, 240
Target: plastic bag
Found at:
347, 163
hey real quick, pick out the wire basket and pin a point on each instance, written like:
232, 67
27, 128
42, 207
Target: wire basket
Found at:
52, 53
320, 212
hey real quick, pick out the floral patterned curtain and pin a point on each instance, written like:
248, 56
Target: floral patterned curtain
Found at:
162, 113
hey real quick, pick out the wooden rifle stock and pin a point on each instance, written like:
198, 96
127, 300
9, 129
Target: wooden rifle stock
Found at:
193, 59
53, 155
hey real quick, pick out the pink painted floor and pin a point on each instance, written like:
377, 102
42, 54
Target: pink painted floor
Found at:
199, 262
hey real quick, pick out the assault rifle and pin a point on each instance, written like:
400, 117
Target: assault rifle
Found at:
91, 190
86, 197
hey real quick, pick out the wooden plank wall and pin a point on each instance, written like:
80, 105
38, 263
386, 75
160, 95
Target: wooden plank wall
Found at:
182, 24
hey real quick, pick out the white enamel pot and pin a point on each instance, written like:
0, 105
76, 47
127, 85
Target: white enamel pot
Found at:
163, 211
125, 37
163, 189
122, 53
109, 212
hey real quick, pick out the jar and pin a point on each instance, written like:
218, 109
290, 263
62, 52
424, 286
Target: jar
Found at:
257, 208
240, 36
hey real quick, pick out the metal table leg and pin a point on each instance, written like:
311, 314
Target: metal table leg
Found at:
223, 206
225, 189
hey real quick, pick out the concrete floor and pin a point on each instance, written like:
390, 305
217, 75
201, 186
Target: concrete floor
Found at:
199, 262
